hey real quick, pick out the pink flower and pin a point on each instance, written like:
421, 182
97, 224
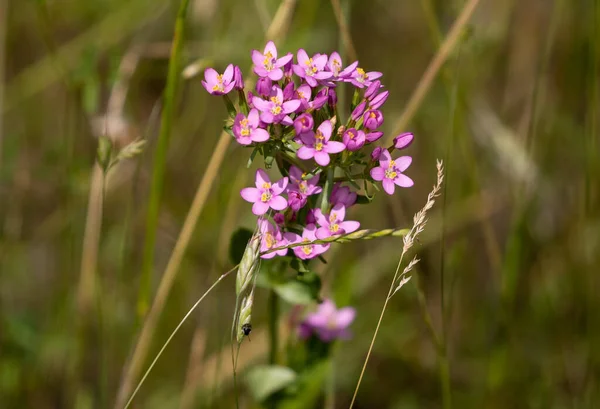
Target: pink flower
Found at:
328, 323
334, 224
267, 64
218, 84
334, 64
342, 195
307, 251
265, 195
362, 79
246, 129
311, 69
271, 237
318, 145
275, 110
306, 187
390, 172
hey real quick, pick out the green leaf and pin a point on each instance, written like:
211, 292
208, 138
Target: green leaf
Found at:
237, 244
252, 156
296, 292
265, 380
360, 199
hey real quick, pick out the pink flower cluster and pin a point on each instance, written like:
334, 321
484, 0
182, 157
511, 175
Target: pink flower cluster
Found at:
292, 118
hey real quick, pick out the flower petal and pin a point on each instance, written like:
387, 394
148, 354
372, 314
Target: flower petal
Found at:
280, 186
210, 75
257, 58
261, 104
350, 226
325, 128
322, 158
259, 135
250, 194
388, 186
305, 153
344, 317
228, 74
403, 181
276, 74
403, 162
340, 211
278, 203
323, 233
261, 178
259, 208
302, 57
334, 147
290, 106
270, 47
377, 173
321, 219
385, 162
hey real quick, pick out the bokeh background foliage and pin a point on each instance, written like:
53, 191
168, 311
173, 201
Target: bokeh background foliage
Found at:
510, 259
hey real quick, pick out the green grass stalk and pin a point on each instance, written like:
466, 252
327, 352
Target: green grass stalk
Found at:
160, 159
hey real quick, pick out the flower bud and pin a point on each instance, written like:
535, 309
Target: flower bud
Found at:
263, 86
373, 119
320, 99
332, 97
378, 101
373, 136
288, 91
403, 140
358, 111
237, 78
303, 123
376, 154
296, 200
372, 89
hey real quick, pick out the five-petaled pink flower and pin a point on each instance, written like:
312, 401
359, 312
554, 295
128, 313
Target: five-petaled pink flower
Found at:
334, 64
390, 172
306, 251
334, 224
247, 130
311, 69
306, 187
328, 323
266, 63
218, 84
271, 237
317, 145
361, 79
275, 110
266, 194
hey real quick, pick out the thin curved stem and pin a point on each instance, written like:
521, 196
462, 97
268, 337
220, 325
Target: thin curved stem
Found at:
135, 391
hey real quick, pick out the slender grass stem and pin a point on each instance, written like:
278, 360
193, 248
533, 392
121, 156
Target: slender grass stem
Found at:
273, 313
162, 349
160, 159
387, 299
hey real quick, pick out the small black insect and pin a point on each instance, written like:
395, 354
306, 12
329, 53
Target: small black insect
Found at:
247, 329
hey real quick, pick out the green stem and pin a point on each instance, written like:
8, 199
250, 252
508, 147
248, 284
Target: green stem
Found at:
273, 327
160, 158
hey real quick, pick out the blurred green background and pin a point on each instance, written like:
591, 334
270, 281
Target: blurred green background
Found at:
512, 250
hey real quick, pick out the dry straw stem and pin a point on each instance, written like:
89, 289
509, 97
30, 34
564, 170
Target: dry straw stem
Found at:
276, 30
434, 67
345, 31
419, 222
